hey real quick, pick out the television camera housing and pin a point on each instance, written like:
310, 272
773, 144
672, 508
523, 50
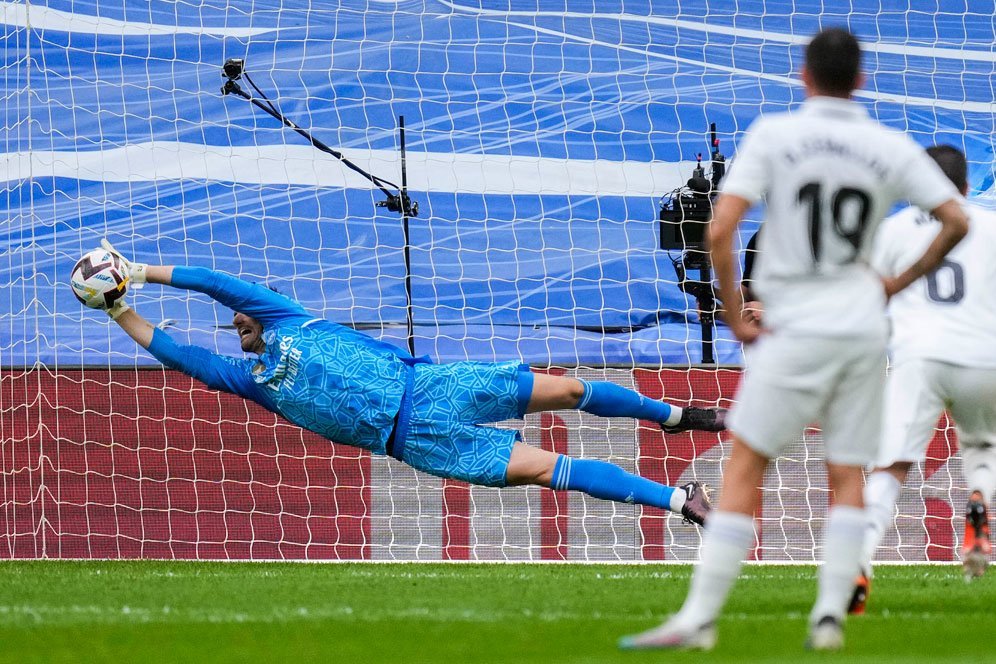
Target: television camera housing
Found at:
684, 217
686, 211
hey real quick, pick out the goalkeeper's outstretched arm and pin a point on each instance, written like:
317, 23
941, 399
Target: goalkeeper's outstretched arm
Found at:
216, 371
139, 329
254, 300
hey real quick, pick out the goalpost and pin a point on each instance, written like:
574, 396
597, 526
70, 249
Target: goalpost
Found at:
540, 138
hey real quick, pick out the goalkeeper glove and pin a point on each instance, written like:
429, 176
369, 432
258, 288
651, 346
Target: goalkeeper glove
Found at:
118, 308
136, 271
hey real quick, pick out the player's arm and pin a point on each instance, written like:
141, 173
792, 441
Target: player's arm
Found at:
216, 371
253, 300
923, 183
728, 211
954, 226
744, 185
135, 326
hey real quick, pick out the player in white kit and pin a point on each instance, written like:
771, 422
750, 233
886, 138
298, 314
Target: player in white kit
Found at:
828, 174
943, 351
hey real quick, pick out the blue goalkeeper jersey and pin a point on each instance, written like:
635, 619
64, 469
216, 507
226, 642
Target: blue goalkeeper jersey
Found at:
321, 376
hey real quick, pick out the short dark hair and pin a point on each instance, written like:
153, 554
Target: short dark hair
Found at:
952, 161
833, 60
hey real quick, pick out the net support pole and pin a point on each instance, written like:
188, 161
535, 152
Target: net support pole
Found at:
698, 259
408, 244
707, 317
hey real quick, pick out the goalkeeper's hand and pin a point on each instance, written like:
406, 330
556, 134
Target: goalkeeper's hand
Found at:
118, 308
136, 271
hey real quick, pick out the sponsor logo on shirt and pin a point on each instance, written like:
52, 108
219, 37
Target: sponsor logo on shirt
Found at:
285, 373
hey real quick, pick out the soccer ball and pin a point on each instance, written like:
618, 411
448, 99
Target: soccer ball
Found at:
99, 279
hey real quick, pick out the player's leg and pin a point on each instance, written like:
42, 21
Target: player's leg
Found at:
852, 428
444, 439
767, 417
979, 462
607, 399
912, 405
726, 541
881, 494
841, 550
728, 537
600, 479
973, 407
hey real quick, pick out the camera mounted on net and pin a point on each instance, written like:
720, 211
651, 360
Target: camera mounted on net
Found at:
400, 203
233, 68
232, 71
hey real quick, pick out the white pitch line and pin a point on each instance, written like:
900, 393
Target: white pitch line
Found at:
45, 614
15, 615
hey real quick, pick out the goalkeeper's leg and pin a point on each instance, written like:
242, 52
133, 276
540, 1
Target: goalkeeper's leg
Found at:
600, 479
607, 399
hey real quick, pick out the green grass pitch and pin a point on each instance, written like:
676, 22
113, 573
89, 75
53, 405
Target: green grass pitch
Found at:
193, 611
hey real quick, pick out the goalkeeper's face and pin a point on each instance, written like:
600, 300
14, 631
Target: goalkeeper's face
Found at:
250, 333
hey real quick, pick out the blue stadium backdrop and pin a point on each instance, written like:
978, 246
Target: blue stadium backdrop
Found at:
541, 135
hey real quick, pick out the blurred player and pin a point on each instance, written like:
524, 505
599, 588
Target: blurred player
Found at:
829, 174
943, 356
355, 390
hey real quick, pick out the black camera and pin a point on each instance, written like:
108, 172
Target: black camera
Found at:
685, 212
400, 203
233, 68
684, 217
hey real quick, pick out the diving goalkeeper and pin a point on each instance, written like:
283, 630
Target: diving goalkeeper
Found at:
356, 390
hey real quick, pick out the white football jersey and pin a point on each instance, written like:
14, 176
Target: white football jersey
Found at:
828, 174
949, 314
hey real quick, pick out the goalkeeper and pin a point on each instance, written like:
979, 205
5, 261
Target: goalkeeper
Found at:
355, 390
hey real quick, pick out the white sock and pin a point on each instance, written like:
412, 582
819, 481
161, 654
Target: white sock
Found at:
728, 536
881, 494
841, 552
677, 500
675, 415
980, 469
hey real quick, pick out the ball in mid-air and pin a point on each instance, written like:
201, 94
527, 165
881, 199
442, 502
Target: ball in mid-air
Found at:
99, 279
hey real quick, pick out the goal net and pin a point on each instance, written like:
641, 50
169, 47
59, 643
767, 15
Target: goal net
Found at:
540, 139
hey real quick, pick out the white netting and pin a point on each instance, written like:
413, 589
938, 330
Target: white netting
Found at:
540, 135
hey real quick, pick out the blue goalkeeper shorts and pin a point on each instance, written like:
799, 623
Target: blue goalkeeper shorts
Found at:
449, 402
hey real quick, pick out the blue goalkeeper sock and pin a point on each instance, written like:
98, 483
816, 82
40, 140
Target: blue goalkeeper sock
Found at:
610, 400
610, 482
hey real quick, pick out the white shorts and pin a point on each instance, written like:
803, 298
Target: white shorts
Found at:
793, 381
917, 393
